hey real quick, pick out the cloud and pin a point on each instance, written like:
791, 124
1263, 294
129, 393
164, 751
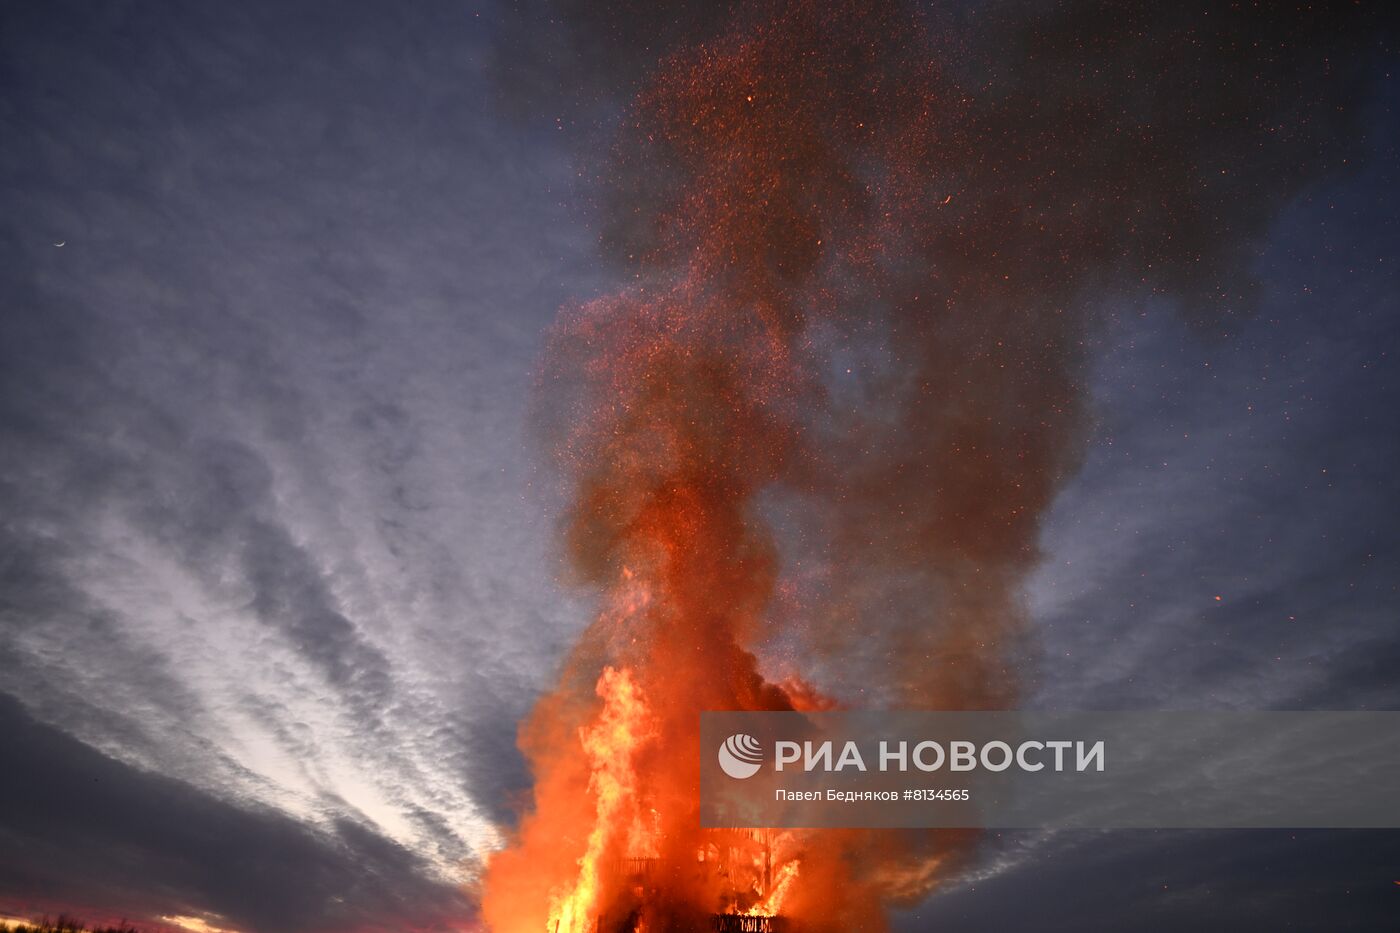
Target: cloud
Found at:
77, 823
268, 525
1243, 881
275, 569
1251, 469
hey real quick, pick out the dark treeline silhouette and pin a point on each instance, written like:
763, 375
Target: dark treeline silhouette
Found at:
64, 924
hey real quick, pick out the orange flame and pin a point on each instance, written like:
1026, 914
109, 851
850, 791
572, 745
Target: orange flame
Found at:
808, 194
610, 744
680, 401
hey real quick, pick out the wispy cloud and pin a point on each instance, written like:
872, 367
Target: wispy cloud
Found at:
268, 525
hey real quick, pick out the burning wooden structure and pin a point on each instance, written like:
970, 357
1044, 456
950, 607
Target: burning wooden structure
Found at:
738, 863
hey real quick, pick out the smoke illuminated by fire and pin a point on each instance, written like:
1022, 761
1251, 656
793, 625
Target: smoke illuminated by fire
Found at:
812, 186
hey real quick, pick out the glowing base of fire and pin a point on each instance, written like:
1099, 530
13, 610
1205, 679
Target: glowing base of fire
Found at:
612, 893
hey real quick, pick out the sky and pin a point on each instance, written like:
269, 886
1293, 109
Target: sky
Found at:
278, 567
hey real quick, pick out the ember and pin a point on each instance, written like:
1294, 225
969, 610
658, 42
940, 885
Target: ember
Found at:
788, 208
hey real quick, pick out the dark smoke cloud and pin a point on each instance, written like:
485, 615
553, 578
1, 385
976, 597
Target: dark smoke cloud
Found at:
563, 57
865, 261
1021, 171
1097, 156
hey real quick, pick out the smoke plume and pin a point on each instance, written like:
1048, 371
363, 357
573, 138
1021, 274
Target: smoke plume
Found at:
864, 248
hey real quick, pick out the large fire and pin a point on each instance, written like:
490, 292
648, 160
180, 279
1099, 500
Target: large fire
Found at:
805, 187
689, 392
